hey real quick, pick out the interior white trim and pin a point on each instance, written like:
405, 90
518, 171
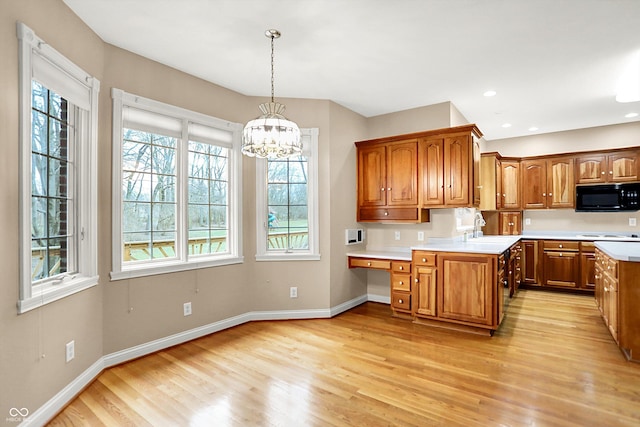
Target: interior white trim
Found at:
54, 405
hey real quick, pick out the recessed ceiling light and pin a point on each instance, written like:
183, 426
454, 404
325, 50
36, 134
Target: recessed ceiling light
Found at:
533, 129
506, 125
630, 115
490, 93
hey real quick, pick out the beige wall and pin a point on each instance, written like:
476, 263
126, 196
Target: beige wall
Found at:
121, 314
407, 121
32, 356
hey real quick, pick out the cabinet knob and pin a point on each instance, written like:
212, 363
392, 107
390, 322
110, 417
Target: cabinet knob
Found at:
416, 280
602, 172
606, 289
560, 254
369, 264
424, 260
388, 188
401, 268
401, 282
504, 195
610, 172
400, 301
560, 245
544, 194
386, 213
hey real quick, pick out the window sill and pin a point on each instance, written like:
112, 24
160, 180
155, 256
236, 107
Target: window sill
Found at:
288, 257
171, 267
55, 292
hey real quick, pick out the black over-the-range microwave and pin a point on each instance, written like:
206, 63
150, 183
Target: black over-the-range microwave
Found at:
608, 197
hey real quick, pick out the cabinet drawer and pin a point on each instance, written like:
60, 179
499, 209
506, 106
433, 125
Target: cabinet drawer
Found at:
401, 282
424, 258
389, 214
561, 245
401, 266
611, 267
380, 264
401, 300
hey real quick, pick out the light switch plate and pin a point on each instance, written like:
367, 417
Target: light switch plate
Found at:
632, 222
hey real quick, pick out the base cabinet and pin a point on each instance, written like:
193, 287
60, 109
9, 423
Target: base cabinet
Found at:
459, 290
617, 291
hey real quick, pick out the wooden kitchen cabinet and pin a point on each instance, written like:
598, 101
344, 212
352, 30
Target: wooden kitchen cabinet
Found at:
607, 296
514, 272
530, 262
549, 183
587, 265
561, 263
424, 291
500, 182
387, 182
510, 175
600, 168
510, 223
465, 288
401, 287
449, 164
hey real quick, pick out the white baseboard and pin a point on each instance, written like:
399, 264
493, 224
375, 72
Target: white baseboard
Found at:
71, 390
378, 298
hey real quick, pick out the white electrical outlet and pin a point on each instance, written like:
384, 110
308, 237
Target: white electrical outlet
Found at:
293, 292
186, 308
397, 234
420, 236
70, 350
527, 221
632, 222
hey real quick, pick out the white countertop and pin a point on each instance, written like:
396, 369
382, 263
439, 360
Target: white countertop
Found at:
494, 245
621, 251
617, 246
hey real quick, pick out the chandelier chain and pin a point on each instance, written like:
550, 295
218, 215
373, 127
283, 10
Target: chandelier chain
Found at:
272, 80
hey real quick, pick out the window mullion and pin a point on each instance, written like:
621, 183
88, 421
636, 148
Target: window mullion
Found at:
182, 196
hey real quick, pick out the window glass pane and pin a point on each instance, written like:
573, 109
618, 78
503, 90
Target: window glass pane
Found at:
52, 178
149, 205
38, 132
287, 204
208, 199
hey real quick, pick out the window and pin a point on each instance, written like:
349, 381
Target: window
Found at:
58, 140
287, 203
176, 188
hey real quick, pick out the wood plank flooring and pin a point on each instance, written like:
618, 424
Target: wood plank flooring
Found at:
551, 363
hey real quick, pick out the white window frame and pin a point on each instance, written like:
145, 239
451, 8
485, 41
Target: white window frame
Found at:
310, 151
182, 261
39, 61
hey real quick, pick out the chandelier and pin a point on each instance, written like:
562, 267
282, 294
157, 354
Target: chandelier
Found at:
271, 135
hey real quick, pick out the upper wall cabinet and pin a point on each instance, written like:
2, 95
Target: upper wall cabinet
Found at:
388, 182
449, 168
621, 166
500, 183
548, 183
399, 177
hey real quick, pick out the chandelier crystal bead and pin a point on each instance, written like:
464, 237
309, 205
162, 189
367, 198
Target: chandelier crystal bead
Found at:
271, 135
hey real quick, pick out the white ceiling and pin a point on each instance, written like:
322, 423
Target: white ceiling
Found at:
554, 63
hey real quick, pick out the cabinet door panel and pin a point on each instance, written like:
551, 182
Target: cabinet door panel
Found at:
431, 164
623, 167
529, 260
591, 170
456, 167
534, 184
402, 174
560, 269
371, 176
561, 186
510, 185
464, 290
425, 291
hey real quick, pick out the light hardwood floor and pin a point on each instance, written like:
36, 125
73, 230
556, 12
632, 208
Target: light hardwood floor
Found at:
551, 363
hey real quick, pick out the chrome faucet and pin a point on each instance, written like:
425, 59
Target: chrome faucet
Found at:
477, 223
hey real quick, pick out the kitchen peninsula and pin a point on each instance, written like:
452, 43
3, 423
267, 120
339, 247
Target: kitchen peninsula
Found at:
448, 282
